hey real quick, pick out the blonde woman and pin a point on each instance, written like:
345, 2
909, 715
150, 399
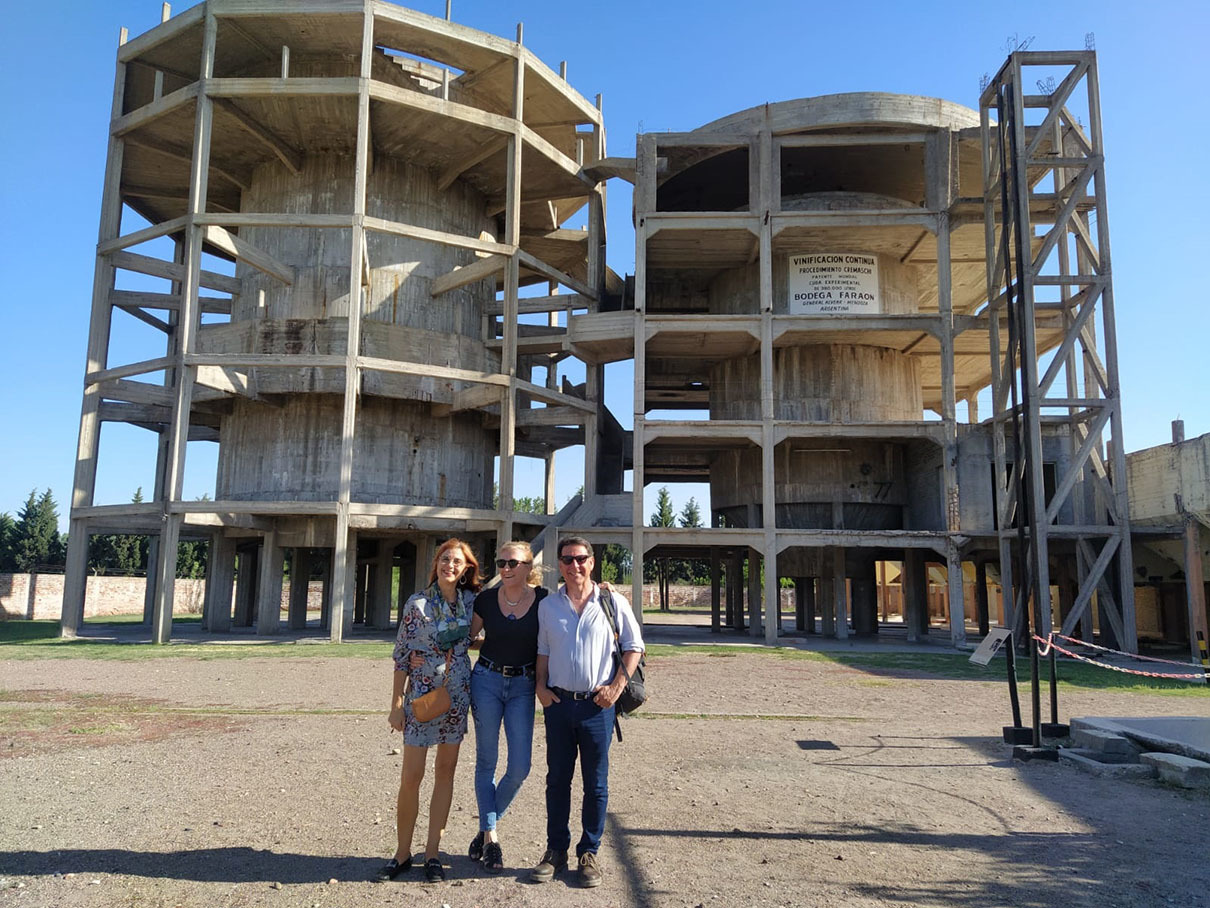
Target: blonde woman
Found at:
434, 636
502, 691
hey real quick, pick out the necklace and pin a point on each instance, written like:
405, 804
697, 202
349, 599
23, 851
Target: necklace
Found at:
508, 601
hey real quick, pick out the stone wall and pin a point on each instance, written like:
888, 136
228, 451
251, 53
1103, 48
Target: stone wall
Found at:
41, 596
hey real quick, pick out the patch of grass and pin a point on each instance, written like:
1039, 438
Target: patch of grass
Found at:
956, 667
22, 640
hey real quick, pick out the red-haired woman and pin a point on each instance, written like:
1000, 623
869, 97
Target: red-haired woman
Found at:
434, 636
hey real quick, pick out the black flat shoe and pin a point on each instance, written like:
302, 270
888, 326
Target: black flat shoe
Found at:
475, 852
393, 869
433, 871
493, 857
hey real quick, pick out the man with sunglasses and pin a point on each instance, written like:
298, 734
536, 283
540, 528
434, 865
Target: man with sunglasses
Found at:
577, 684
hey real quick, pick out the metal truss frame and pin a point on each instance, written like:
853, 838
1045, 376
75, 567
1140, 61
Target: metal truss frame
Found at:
1047, 236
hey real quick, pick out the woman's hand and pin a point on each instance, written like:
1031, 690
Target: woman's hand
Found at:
396, 717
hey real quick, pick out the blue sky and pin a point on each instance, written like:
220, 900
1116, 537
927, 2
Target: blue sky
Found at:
670, 66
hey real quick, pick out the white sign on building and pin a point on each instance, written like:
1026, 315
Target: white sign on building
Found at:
833, 283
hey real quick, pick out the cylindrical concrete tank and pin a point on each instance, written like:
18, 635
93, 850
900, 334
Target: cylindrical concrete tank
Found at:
291, 449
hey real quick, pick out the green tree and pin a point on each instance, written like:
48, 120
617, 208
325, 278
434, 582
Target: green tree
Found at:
8, 541
691, 514
658, 569
37, 540
690, 570
191, 556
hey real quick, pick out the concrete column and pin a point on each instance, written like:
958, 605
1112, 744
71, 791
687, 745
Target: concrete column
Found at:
300, 577
245, 585
325, 605
981, 598
383, 569
957, 595
426, 548
827, 621
1195, 592
75, 581
800, 604
735, 613
715, 590
865, 595
914, 581
840, 593
360, 591
220, 577
755, 618
269, 585
153, 573
345, 581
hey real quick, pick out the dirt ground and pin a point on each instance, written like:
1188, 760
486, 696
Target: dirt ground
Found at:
750, 781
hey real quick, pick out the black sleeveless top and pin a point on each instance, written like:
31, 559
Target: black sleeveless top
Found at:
508, 642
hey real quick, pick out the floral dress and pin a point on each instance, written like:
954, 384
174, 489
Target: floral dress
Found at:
432, 626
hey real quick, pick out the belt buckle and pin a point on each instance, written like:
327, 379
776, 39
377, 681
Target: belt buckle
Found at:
511, 671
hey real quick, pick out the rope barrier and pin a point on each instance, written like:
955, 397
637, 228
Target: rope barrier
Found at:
1106, 649
1046, 644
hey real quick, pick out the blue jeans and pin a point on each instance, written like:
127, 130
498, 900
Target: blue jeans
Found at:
497, 700
577, 728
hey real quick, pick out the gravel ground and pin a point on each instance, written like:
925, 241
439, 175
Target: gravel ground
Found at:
750, 781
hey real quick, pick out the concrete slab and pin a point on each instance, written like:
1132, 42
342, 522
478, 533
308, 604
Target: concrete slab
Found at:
1105, 742
1185, 735
1183, 771
1096, 764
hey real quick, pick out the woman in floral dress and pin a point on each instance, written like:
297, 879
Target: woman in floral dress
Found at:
434, 632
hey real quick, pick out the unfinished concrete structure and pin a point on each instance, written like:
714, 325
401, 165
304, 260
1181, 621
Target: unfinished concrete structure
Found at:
1169, 489
384, 182
820, 284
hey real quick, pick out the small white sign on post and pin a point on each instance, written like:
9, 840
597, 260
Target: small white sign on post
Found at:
991, 645
833, 283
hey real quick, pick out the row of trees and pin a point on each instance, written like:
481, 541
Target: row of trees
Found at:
32, 542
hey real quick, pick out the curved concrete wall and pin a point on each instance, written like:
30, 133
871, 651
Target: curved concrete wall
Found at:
290, 449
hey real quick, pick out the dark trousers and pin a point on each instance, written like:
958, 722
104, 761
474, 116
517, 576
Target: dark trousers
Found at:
577, 728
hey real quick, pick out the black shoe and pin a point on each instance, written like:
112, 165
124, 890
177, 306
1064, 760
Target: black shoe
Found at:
393, 869
493, 857
433, 871
475, 852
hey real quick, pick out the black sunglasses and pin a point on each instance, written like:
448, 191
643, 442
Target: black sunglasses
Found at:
574, 559
508, 562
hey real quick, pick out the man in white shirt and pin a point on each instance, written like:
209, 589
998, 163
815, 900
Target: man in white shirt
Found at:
577, 684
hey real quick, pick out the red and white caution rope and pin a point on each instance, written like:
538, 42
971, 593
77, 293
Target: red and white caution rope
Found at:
1046, 644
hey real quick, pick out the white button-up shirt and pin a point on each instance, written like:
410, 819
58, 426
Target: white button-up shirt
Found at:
579, 648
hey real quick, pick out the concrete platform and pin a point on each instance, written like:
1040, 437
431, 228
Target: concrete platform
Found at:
1188, 736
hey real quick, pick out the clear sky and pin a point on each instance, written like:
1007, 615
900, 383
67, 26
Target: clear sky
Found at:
660, 66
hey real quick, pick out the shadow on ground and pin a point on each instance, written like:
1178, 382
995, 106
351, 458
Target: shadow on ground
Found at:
202, 865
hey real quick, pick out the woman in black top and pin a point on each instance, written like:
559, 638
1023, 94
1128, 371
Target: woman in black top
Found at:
502, 691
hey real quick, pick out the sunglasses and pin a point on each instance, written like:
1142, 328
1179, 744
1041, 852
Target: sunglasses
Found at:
508, 562
574, 559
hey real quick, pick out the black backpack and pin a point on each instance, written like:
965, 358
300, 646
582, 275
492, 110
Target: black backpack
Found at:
635, 693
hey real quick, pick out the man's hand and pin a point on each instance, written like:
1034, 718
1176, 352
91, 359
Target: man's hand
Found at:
607, 695
416, 660
546, 696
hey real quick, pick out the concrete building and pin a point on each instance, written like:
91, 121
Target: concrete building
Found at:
362, 368
823, 289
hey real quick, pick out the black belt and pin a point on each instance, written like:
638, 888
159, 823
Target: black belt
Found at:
573, 694
508, 671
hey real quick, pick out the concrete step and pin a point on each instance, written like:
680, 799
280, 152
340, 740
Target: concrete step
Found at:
1177, 770
1095, 763
1105, 742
